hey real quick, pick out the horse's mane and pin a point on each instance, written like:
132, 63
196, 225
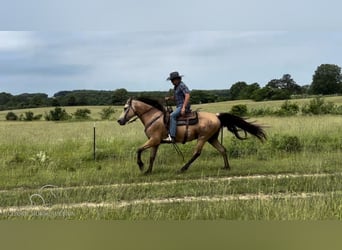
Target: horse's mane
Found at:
152, 102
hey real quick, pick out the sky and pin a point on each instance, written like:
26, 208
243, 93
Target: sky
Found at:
214, 44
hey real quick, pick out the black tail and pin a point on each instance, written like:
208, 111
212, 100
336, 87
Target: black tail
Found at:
233, 122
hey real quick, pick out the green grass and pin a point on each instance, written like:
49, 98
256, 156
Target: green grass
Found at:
41, 153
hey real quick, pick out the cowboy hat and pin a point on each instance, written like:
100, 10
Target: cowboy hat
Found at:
174, 75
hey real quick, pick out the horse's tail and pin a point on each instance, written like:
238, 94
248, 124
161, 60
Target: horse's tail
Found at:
233, 122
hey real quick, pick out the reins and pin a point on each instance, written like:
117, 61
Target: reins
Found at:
177, 149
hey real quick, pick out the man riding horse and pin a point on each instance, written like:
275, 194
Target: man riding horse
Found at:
182, 99
207, 127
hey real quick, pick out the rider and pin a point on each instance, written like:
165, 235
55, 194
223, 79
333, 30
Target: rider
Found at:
182, 99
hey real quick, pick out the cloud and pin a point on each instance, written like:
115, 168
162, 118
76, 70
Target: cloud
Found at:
55, 60
16, 41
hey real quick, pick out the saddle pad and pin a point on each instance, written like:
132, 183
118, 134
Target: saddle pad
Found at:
188, 119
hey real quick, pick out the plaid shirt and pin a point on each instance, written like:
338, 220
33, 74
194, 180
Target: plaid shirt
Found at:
180, 90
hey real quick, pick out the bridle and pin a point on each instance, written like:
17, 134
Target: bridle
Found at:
134, 111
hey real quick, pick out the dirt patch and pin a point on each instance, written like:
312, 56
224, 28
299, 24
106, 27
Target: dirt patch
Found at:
187, 199
121, 204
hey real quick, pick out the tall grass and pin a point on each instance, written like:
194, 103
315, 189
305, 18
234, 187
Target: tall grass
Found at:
34, 154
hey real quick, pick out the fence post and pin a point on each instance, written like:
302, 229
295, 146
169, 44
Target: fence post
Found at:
94, 142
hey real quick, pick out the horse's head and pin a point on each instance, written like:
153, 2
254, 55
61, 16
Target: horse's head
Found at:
127, 113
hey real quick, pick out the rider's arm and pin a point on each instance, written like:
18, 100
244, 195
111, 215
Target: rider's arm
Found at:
186, 101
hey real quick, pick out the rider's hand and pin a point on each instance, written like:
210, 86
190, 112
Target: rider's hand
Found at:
183, 111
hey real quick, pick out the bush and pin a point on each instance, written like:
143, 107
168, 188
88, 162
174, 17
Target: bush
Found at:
37, 117
28, 116
337, 110
239, 148
318, 106
239, 110
286, 143
287, 109
106, 113
82, 114
261, 112
58, 114
11, 116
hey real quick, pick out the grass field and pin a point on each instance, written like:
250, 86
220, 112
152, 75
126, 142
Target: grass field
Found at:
47, 171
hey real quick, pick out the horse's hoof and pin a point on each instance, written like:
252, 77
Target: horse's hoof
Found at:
182, 170
148, 172
141, 166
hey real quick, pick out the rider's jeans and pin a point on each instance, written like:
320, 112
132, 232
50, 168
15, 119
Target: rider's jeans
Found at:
173, 121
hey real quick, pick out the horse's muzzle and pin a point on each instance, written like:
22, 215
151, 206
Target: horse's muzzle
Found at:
122, 121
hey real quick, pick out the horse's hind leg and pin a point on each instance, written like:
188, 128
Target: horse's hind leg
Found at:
198, 150
216, 144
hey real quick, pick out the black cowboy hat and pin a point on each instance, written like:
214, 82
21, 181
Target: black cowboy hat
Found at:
174, 75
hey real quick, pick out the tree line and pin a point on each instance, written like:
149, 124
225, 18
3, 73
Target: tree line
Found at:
326, 80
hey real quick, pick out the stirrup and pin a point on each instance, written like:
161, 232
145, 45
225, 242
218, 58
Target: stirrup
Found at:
169, 139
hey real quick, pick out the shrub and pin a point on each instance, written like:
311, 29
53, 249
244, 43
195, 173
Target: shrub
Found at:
11, 116
318, 106
287, 109
58, 114
28, 116
239, 110
37, 117
82, 114
239, 148
337, 110
261, 112
106, 113
286, 143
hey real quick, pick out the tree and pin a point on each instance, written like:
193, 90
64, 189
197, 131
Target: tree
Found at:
237, 89
283, 88
120, 96
327, 80
249, 91
285, 83
202, 96
71, 101
38, 100
55, 102
263, 94
5, 98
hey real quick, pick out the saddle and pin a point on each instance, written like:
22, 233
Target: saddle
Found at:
190, 118
187, 119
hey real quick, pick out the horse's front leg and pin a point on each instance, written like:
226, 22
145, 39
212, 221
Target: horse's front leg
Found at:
152, 158
139, 161
150, 143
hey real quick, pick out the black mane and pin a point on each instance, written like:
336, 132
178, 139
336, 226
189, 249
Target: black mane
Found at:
152, 102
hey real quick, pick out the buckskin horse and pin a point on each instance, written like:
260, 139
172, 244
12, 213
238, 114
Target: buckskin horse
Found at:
154, 117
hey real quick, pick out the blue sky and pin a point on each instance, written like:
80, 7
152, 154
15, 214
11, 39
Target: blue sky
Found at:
213, 43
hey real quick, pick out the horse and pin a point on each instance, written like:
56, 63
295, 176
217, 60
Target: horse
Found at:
153, 116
